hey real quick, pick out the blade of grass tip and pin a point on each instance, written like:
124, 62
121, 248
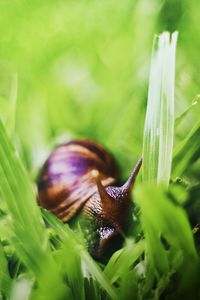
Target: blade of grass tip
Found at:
194, 105
159, 123
186, 150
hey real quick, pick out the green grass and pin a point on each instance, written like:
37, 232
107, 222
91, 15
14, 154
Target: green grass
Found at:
159, 123
71, 69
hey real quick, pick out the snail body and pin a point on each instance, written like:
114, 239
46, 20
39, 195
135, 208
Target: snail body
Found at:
80, 177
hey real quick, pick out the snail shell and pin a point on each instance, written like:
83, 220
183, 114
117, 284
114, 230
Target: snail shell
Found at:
80, 176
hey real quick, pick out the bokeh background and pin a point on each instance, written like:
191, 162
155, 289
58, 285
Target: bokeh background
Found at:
71, 69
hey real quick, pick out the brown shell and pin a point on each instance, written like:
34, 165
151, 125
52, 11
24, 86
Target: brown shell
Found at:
65, 182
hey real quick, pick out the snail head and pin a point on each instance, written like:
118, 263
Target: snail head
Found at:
112, 206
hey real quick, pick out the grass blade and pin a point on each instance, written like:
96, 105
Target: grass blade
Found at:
169, 241
122, 260
191, 107
186, 151
17, 192
159, 124
28, 235
78, 248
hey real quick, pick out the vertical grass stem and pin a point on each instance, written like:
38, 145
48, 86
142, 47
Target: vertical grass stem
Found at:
159, 123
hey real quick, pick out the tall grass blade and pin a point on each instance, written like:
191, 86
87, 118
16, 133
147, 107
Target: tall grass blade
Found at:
28, 235
17, 192
159, 123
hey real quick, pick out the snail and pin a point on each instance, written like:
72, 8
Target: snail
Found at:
80, 177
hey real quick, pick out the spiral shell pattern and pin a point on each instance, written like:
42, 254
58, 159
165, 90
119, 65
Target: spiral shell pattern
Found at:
65, 182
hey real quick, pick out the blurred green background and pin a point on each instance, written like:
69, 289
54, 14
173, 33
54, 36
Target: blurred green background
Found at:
81, 69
